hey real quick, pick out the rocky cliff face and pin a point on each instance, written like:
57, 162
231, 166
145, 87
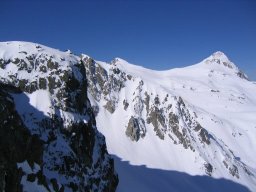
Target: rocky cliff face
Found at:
49, 140
138, 101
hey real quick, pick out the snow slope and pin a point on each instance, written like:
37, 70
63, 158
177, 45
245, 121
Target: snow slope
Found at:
198, 120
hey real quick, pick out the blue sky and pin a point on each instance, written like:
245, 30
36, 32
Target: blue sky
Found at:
157, 34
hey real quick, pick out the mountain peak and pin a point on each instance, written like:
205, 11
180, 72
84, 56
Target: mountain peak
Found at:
220, 55
220, 58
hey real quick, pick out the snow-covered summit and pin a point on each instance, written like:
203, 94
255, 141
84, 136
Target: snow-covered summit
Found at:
197, 119
221, 59
220, 55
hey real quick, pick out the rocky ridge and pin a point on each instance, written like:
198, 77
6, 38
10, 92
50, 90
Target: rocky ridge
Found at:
120, 87
49, 140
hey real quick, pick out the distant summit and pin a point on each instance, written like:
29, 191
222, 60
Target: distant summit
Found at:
219, 58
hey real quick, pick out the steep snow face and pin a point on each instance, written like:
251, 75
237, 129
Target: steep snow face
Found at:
199, 119
48, 115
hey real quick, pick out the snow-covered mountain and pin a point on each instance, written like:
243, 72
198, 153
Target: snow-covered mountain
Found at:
188, 129
198, 120
48, 136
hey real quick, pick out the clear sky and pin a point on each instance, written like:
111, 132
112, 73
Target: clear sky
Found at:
157, 34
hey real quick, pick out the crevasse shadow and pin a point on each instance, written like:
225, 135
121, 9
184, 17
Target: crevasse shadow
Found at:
140, 178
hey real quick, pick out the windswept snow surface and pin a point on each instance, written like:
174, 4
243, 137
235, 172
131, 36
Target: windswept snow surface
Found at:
224, 103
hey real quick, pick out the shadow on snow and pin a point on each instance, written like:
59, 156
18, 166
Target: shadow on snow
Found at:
140, 178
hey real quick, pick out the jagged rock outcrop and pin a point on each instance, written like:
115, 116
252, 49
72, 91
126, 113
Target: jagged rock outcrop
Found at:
133, 129
49, 140
17, 144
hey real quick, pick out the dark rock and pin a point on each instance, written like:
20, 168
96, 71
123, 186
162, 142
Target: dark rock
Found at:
42, 83
110, 106
234, 171
23, 83
156, 100
126, 104
54, 184
23, 66
204, 136
16, 145
135, 129
52, 65
3, 63
32, 87
174, 125
157, 119
116, 70
242, 75
43, 68
129, 77
52, 83
208, 168
31, 177
16, 61
146, 101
